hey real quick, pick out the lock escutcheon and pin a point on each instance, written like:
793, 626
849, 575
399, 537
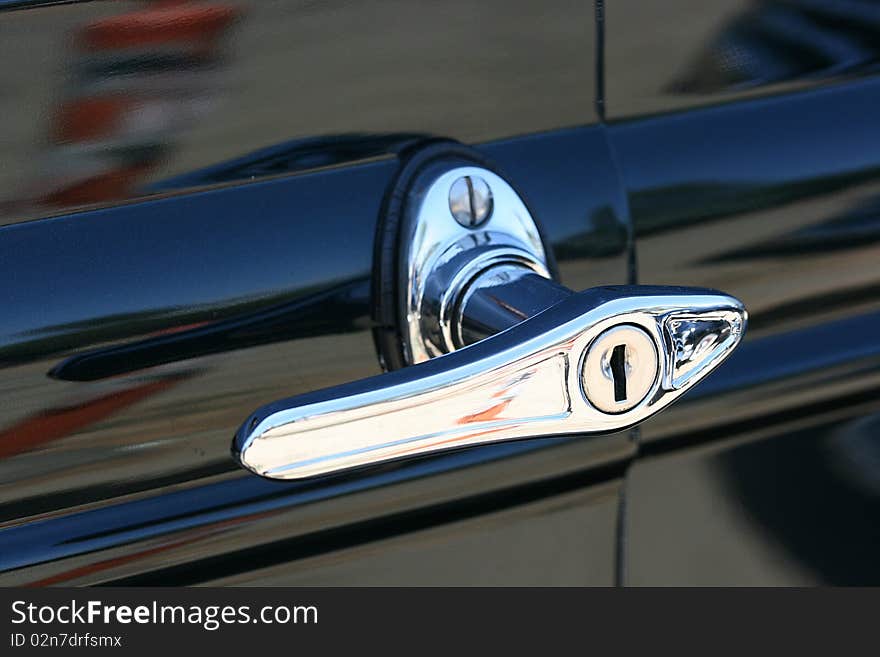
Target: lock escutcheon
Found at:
620, 368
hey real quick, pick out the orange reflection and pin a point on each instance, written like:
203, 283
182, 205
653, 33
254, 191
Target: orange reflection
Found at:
56, 423
139, 80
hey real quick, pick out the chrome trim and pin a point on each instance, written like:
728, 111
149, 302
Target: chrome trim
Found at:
694, 340
512, 289
525, 382
441, 254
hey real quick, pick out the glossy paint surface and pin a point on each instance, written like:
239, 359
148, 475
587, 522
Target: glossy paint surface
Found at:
675, 55
286, 310
747, 139
112, 101
541, 543
136, 336
171, 261
768, 473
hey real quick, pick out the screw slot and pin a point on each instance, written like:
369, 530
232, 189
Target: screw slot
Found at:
470, 201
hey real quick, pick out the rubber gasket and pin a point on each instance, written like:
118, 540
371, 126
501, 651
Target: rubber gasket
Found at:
385, 290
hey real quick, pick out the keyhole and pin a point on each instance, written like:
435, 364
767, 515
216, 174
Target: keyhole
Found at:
620, 369
618, 372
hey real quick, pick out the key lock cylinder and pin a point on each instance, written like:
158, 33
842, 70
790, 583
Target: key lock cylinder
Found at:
482, 344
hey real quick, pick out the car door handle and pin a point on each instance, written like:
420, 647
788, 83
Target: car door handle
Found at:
484, 345
596, 362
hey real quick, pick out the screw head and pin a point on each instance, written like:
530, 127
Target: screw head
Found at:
470, 201
620, 368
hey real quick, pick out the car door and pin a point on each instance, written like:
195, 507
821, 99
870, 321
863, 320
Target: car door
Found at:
747, 137
190, 198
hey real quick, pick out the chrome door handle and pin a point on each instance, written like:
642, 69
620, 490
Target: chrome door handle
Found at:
484, 344
597, 361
